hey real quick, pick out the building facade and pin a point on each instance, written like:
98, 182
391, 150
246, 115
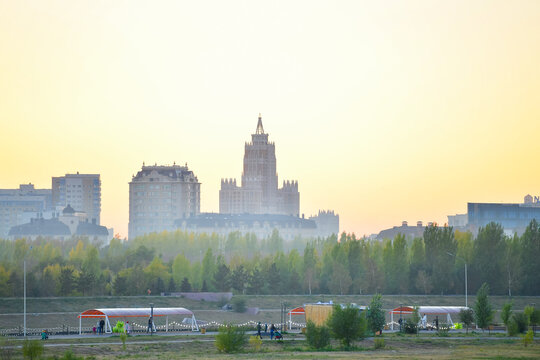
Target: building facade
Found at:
64, 225
158, 195
261, 225
514, 218
327, 223
81, 191
259, 192
18, 205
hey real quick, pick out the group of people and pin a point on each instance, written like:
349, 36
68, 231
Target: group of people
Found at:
100, 327
273, 331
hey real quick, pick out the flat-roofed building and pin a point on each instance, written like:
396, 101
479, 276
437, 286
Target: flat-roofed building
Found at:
17, 205
81, 191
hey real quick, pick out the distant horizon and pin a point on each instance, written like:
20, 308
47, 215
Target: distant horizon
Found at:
383, 112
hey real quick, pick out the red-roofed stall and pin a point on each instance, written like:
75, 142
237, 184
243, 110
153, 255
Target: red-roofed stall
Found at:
135, 312
428, 310
296, 311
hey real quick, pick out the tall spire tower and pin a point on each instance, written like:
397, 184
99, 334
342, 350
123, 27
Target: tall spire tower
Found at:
259, 192
260, 129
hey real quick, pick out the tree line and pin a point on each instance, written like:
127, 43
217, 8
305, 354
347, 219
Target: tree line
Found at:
180, 261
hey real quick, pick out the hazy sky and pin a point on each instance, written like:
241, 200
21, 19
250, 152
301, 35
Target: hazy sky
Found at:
383, 111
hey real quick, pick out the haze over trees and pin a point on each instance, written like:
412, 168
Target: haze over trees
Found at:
178, 261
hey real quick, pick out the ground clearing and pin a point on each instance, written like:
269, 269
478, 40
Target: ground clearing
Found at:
396, 348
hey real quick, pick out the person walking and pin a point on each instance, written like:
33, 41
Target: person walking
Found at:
150, 325
437, 323
259, 328
272, 330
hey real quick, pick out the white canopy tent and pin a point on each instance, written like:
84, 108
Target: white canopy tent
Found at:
135, 312
428, 310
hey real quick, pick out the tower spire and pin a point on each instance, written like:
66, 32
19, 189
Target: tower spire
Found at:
260, 129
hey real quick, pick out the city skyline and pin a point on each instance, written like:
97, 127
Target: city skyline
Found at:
399, 111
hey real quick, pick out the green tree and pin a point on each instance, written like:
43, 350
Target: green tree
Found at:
208, 268
180, 268
340, 280
317, 337
513, 263
466, 316
438, 243
310, 261
483, 310
185, 286
120, 284
417, 261
274, 280
239, 279
489, 258
222, 278
506, 313
530, 253
354, 250
67, 280
255, 281
347, 324
375, 314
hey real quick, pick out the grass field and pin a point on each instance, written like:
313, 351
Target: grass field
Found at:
182, 347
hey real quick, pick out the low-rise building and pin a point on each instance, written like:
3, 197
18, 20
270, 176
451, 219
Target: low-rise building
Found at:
262, 225
69, 223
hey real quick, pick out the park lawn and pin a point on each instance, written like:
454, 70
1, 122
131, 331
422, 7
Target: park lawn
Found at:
396, 348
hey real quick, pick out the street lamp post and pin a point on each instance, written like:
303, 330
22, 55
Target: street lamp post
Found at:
459, 257
151, 318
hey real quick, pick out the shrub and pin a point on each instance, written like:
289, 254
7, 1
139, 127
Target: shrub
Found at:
375, 314
70, 355
318, 337
466, 316
255, 342
123, 337
443, 330
6, 349
239, 304
519, 323
528, 338
347, 324
32, 349
410, 327
378, 343
230, 338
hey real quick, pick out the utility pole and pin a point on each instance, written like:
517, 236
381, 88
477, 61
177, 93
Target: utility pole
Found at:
24, 296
